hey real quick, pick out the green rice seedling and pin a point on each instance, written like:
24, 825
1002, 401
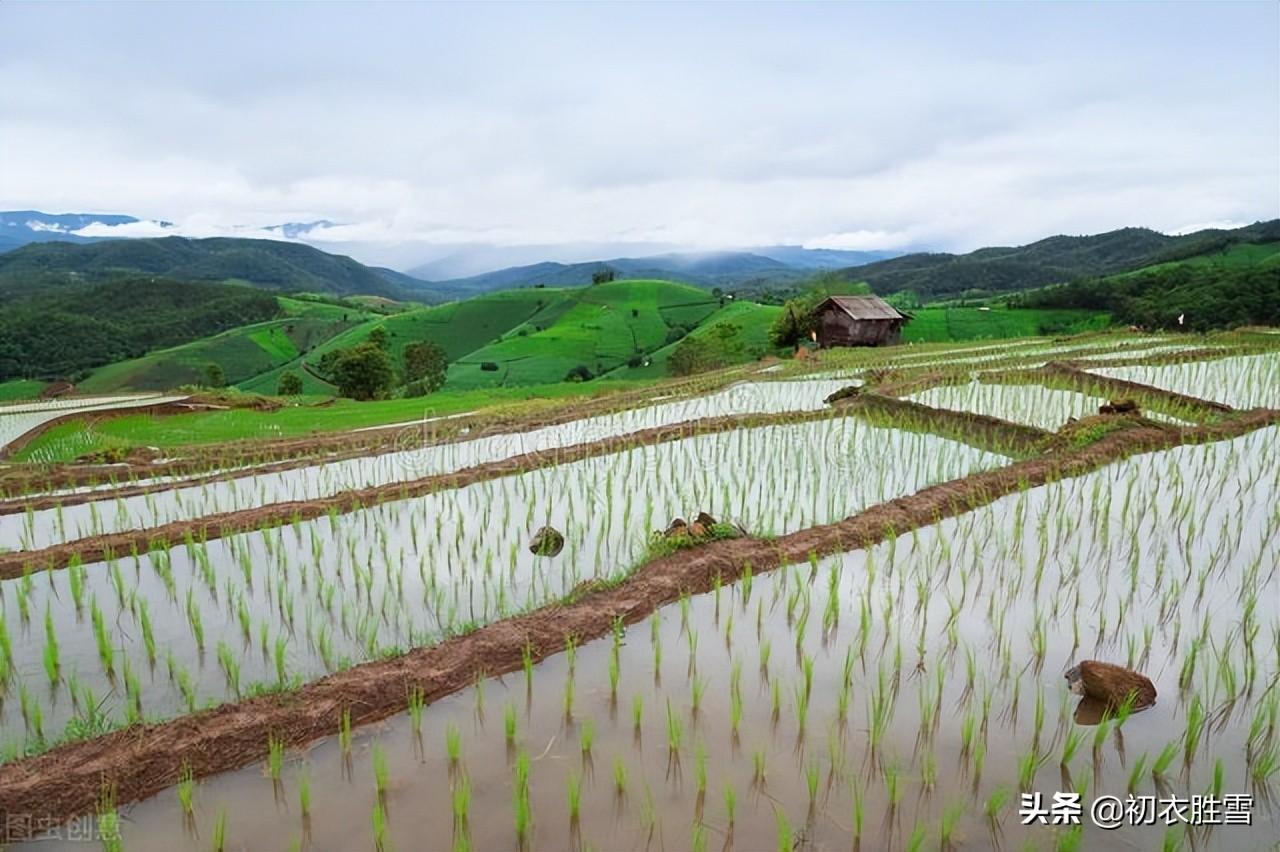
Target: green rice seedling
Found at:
758, 767
1071, 745
52, 664
219, 839
453, 743
304, 794
785, 837
281, 670
1135, 774
148, 634
637, 713
1195, 728
730, 805
951, 815
619, 777
892, 783
380, 770
461, 798
574, 795
1162, 762
106, 653
379, 823
187, 790
109, 823
675, 730
509, 723
587, 737
523, 815
1265, 765
344, 732
995, 803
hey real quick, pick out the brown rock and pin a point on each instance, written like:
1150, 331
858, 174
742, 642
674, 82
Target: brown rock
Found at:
547, 541
1119, 406
676, 527
1111, 684
705, 519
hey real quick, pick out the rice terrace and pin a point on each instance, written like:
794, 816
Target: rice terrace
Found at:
640, 427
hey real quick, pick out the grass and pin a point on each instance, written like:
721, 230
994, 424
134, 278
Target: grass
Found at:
940, 324
73, 437
750, 343
599, 328
245, 354
17, 389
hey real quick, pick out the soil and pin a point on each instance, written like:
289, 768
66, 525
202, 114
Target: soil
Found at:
143, 760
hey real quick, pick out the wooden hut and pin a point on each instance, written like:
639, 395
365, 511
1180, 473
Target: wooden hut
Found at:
857, 321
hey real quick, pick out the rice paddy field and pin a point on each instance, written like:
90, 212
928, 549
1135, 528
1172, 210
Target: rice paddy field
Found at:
864, 647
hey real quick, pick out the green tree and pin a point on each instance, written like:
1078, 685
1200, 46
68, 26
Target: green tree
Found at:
379, 338
214, 376
425, 363
603, 275
795, 323
363, 372
693, 355
289, 384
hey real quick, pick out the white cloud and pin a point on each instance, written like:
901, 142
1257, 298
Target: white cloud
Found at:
852, 126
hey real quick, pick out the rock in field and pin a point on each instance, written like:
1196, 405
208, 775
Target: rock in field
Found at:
1111, 684
547, 541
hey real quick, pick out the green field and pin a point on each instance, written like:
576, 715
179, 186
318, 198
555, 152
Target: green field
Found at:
940, 324
20, 389
753, 323
72, 438
599, 328
252, 355
1235, 257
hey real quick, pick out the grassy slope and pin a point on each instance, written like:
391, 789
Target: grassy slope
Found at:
245, 354
70, 439
939, 324
1234, 257
20, 389
753, 319
599, 327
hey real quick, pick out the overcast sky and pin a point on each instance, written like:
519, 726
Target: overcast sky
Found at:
858, 126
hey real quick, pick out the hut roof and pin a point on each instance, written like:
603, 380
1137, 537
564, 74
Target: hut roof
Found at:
863, 307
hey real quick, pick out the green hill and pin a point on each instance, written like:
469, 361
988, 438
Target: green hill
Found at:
1053, 260
65, 332
1233, 286
592, 330
737, 332
251, 356
267, 264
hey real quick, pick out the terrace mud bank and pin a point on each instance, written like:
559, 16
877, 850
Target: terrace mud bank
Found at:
41, 791
1062, 375
978, 430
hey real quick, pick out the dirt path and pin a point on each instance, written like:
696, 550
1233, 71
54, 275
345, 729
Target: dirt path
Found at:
141, 761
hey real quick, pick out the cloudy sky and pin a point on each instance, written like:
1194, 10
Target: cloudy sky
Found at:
859, 126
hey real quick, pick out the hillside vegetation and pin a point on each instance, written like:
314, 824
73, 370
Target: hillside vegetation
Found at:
1054, 260
268, 264
250, 356
591, 331
1237, 286
64, 333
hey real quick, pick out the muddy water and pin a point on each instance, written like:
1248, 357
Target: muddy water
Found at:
351, 587
962, 627
52, 526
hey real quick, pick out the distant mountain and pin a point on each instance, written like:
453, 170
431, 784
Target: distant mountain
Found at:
295, 230
805, 258
1049, 261
19, 227
266, 264
728, 269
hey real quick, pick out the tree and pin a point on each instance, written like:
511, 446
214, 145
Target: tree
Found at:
379, 338
603, 275
425, 363
289, 384
214, 376
363, 372
693, 355
795, 323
